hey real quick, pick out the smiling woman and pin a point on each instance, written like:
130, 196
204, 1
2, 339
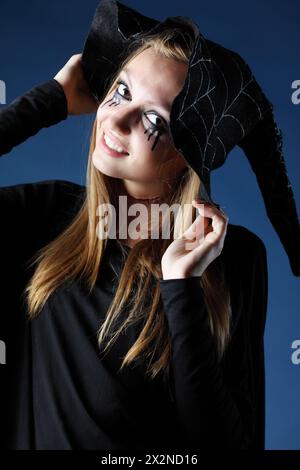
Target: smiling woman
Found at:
131, 118
148, 346
154, 331
144, 175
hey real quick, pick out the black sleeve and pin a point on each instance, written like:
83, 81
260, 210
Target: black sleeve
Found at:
220, 404
42, 106
32, 214
27, 209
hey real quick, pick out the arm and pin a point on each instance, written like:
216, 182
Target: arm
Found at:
220, 405
27, 208
45, 105
42, 106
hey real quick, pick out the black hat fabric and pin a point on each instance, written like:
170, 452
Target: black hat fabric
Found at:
221, 105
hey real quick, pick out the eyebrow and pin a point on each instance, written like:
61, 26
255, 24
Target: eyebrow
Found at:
167, 109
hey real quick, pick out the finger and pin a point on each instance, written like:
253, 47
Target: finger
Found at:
210, 211
76, 57
195, 228
197, 203
219, 223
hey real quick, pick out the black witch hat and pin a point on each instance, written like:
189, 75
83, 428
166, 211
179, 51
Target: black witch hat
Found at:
220, 105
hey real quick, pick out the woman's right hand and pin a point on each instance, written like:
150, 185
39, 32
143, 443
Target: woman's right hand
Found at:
79, 97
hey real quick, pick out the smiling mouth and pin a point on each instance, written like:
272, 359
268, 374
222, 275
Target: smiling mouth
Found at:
111, 147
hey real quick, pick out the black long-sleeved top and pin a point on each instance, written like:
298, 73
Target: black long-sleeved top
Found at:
58, 392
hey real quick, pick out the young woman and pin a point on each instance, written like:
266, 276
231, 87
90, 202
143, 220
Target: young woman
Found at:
125, 343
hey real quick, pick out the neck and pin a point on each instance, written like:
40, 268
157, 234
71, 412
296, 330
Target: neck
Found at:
144, 199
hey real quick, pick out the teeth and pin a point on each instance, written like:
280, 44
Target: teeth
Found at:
112, 145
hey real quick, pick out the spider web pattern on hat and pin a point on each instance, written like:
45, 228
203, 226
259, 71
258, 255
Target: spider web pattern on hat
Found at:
209, 116
220, 105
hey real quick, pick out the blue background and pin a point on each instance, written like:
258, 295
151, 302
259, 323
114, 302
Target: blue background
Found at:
37, 38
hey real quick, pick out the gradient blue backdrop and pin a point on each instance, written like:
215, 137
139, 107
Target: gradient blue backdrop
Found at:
37, 38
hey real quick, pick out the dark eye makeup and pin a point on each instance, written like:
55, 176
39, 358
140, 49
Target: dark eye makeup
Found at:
153, 128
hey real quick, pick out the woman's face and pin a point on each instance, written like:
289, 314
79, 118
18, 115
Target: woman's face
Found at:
135, 118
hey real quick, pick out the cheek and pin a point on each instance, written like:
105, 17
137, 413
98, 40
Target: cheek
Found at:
160, 161
103, 112
172, 164
101, 115
154, 151
166, 151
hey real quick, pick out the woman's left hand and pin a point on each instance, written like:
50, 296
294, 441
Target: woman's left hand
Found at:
189, 255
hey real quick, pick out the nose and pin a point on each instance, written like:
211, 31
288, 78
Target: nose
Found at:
123, 118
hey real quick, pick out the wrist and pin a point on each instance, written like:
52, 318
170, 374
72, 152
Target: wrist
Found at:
176, 275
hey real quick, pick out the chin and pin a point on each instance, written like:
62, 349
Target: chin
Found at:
100, 163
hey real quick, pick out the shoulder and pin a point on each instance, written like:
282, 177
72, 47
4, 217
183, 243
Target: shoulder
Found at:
42, 207
29, 193
244, 258
241, 241
43, 185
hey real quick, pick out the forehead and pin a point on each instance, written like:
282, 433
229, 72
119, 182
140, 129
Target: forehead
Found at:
154, 77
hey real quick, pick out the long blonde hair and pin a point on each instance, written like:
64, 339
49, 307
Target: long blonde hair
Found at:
138, 290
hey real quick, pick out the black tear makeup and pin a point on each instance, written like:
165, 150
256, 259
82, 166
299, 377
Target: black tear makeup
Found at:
153, 131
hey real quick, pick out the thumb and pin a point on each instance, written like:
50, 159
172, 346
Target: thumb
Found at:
196, 229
